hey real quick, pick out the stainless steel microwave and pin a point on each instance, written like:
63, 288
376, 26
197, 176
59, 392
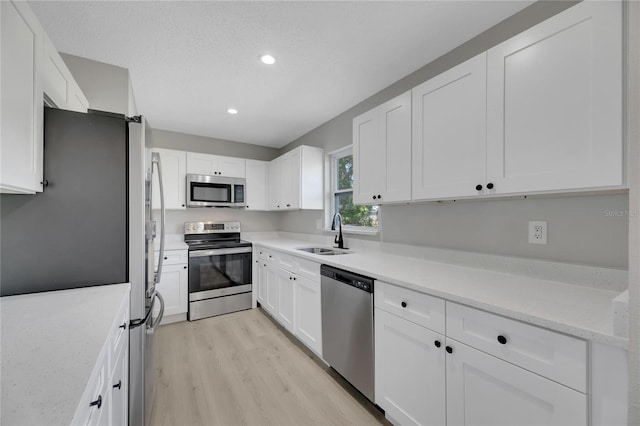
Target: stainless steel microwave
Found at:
215, 191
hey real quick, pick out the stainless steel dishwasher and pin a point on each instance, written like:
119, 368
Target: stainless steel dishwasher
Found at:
347, 326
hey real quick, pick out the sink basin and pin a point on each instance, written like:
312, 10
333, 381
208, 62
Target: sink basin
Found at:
323, 251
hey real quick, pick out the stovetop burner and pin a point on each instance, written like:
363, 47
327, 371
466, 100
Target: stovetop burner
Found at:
213, 235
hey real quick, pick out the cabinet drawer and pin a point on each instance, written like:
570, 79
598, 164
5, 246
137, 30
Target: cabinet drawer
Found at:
422, 309
290, 263
556, 356
86, 413
119, 335
173, 257
308, 269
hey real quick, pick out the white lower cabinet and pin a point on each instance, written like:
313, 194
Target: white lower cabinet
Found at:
424, 377
174, 283
288, 288
484, 390
308, 313
410, 371
105, 400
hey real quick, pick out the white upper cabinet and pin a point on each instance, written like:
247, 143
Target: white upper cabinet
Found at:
60, 87
21, 110
257, 178
449, 133
296, 180
382, 153
216, 165
554, 119
30, 69
174, 179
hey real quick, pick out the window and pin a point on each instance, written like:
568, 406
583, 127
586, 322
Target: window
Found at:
361, 217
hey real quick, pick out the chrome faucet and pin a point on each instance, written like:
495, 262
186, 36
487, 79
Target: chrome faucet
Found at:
338, 240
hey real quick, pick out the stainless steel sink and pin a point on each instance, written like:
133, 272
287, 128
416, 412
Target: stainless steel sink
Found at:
322, 251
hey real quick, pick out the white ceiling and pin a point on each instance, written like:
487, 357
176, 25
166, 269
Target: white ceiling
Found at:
190, 61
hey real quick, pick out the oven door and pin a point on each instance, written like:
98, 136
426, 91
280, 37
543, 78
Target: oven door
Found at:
219, 272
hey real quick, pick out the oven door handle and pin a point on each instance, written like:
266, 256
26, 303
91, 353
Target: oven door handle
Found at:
219, 252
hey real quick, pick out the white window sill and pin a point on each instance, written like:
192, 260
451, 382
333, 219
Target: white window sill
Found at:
355, 231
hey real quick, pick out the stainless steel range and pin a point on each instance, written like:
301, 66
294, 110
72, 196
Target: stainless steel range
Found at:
219, 269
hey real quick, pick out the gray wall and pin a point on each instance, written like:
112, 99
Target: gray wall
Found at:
182, 141
105, 86
579, 229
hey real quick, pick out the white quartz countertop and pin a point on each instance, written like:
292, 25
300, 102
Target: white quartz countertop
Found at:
50, 343
581, 311
172, 242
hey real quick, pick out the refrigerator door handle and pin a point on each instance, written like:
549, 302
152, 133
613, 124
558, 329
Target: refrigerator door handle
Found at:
152, 329
155, 159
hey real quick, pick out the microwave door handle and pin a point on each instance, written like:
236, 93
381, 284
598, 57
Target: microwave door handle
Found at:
155, 159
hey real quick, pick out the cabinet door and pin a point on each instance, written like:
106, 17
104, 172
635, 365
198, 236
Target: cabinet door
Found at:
483, 390
290, 179
410, 371
256, 184
275, 184
395, 149
367, 158
201, 164
285, 299
21, 104
308, 315
554, 118
118, 388
271, 304
173, 287
173, 179
231, 167
262, 282
449, 132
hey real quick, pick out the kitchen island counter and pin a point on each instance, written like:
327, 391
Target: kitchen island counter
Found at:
51, 343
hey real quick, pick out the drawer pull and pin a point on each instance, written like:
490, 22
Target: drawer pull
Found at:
124, 325
97, 402
404, 304
184, 267
437, 343
118, 385
449, 349
166, 258
502, 340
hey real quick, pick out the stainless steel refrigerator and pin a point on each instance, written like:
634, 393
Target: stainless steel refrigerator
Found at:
144, 275
92, 225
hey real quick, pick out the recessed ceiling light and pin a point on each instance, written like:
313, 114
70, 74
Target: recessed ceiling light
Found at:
232, 111
268, 59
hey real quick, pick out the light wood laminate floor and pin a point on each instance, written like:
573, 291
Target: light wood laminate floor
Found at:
243, 369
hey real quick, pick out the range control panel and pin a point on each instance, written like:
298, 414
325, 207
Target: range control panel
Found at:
210, 227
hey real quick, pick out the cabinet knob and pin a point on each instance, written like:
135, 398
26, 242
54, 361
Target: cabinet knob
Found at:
502, 340
490, 185
449, 349
184, 267
288, 205
478, 187
124, 325
290, 278
45, 182
278, 206
379, 197
437, 343
404, 304
97, 402
247, 206
294, 278
265, 265
118, 385
374, 197
165, 258
183, 205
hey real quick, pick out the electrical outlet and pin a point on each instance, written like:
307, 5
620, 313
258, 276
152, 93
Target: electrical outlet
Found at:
538, 232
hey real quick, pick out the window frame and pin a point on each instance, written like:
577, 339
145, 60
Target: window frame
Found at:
331, 168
